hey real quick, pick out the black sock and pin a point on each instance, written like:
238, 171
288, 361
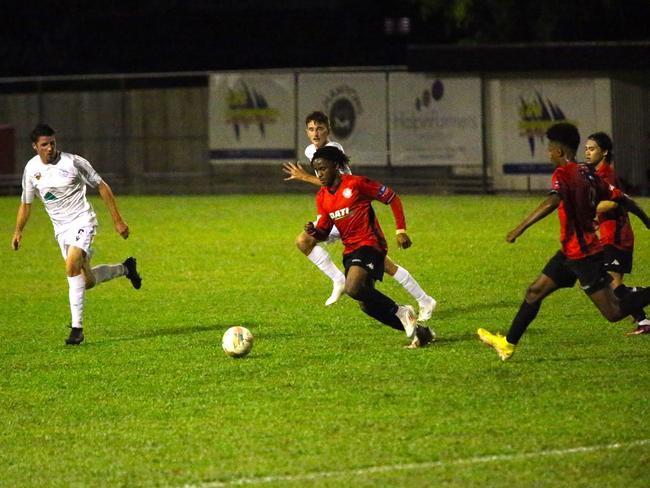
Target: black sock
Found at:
380, 307
634, 301
526, 314
638, 315
621, 291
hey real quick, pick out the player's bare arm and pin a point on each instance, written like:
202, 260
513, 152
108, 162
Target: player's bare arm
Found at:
109, 199
315, 232
21, 220
297, 172
634, 208
545, 208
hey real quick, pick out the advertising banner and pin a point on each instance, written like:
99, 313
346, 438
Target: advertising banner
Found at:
528, 107
356, 107
252, 118
435, 120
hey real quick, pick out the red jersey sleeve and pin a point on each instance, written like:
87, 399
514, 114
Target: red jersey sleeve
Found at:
375, 190
323, 221
378, 191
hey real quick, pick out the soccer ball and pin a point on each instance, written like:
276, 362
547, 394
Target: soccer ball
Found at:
237, 341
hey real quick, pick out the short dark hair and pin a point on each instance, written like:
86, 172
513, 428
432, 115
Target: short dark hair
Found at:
604, 143
565, 134
318, 117
41, 130
331, 153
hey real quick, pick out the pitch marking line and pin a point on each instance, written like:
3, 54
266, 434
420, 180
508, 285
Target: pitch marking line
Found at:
415, 466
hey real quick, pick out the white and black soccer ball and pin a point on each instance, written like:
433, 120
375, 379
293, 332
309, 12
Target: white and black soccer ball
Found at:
237, 341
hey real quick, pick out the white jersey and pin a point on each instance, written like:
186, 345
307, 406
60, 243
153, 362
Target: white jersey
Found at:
311, 150
62, 188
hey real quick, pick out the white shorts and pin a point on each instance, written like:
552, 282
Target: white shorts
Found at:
78, 236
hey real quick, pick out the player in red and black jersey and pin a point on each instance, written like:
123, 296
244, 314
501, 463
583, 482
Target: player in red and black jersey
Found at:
615, 229
346, 200
576, 192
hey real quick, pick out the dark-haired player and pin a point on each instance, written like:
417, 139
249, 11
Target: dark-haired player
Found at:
59, 179
614, 225
576, 192
317, 128
346, 200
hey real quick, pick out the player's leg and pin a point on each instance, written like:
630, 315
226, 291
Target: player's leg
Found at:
615, 309
595, 282
363, 267
618, 262
360, 287
74, 260
308, 245
554, 276
106, 272
426, 303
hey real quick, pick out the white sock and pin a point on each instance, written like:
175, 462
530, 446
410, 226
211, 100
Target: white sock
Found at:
105, 272
76, 292
404, 278
321, 258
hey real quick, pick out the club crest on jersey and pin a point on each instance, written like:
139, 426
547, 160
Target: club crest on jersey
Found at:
339, 214
347, 193
37, 176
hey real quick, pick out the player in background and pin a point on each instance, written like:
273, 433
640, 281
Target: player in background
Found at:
346, 200
614, 225
59, 179
576, 191
318, 129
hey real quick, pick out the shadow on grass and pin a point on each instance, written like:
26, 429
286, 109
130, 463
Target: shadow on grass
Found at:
445, 312
168, 331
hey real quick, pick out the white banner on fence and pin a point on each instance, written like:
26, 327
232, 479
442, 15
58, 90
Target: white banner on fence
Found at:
528, 107
356, 106
435, 120
252, 118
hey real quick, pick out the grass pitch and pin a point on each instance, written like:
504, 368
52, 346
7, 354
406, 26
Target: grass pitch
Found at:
328, 397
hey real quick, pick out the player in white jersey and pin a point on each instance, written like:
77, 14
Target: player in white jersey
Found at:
59, 179
318, 129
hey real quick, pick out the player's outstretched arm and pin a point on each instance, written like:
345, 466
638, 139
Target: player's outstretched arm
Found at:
109, 199
403, 239
22, 217
634, 208
297, 172
545, 208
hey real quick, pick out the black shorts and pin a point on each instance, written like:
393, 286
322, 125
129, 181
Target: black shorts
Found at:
590, 271
369, 258
617, 260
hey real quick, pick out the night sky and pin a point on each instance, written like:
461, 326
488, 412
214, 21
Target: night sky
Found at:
74, 37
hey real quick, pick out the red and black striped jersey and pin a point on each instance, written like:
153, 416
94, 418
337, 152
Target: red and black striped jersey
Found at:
580, 190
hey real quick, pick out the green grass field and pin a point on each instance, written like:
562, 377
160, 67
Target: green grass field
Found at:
327, 397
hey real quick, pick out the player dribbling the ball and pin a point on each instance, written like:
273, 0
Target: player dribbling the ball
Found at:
346, 200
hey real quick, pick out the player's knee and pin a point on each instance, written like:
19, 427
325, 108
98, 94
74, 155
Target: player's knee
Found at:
305, 243
354, 290
534, 293
72, 268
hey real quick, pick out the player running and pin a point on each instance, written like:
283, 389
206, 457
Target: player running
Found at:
346, 200
576, 192
318, 129
59, 179
614, 225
